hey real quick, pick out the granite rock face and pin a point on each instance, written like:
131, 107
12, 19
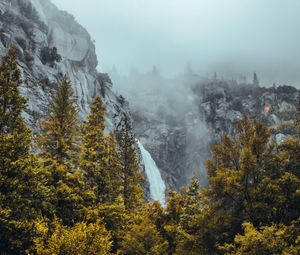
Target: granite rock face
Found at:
168, 123
223, 103
179, 119
51, 44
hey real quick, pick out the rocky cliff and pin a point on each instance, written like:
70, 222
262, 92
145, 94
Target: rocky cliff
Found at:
168, 123
222, 103
179, 119
51, 44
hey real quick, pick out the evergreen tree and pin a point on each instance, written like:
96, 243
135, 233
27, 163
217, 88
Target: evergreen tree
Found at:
250, 181
114, 167
59, 130
171, 220
155, 71
82, 238
215, 76
191, 203
255, 80
130, 173
186, 242
100, 162
12, 103
142, 237
297, 121
23, 194
58, 142
116, 219
274, 239
200, 225
67, 189
99, 159
94, 159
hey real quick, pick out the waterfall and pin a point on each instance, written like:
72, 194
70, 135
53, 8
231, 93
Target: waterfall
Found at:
157, 185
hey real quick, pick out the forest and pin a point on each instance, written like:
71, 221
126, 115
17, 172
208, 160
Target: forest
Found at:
75, 189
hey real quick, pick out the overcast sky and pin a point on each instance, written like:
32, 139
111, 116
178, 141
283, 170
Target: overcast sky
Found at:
227, 36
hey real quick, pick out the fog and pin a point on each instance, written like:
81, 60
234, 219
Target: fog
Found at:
188, 41
231, 37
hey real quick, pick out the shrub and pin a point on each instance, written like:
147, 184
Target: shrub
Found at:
50, 55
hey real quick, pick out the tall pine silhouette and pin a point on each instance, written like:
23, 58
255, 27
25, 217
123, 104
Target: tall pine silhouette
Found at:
131, 177
21, 182
58, 142
59, 130
99, 158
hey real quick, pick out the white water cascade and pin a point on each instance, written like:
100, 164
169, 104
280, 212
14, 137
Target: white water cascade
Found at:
157, 185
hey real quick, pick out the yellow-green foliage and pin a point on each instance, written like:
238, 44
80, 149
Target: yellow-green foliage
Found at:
142, 237
250, 180
81, 239
59, 130
87, 198
297, 121
130, 174
67, 191
23, 195
116, 220
12, 103
274, 239
99, 157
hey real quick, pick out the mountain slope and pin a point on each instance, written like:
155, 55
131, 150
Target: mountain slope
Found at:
50, 44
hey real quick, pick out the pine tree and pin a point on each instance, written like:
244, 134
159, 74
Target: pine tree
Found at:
59, 130
171, 219
142, 236
100, 159
274, 239
12, 103
195, 231
94, 159
23, 194
100, 163
116, 219
130, 172
82, 238
215, 76
114, 167
186, 229
58, 142
297, 121
255, 80
191, 203
250, 180
67, 191
155, 71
